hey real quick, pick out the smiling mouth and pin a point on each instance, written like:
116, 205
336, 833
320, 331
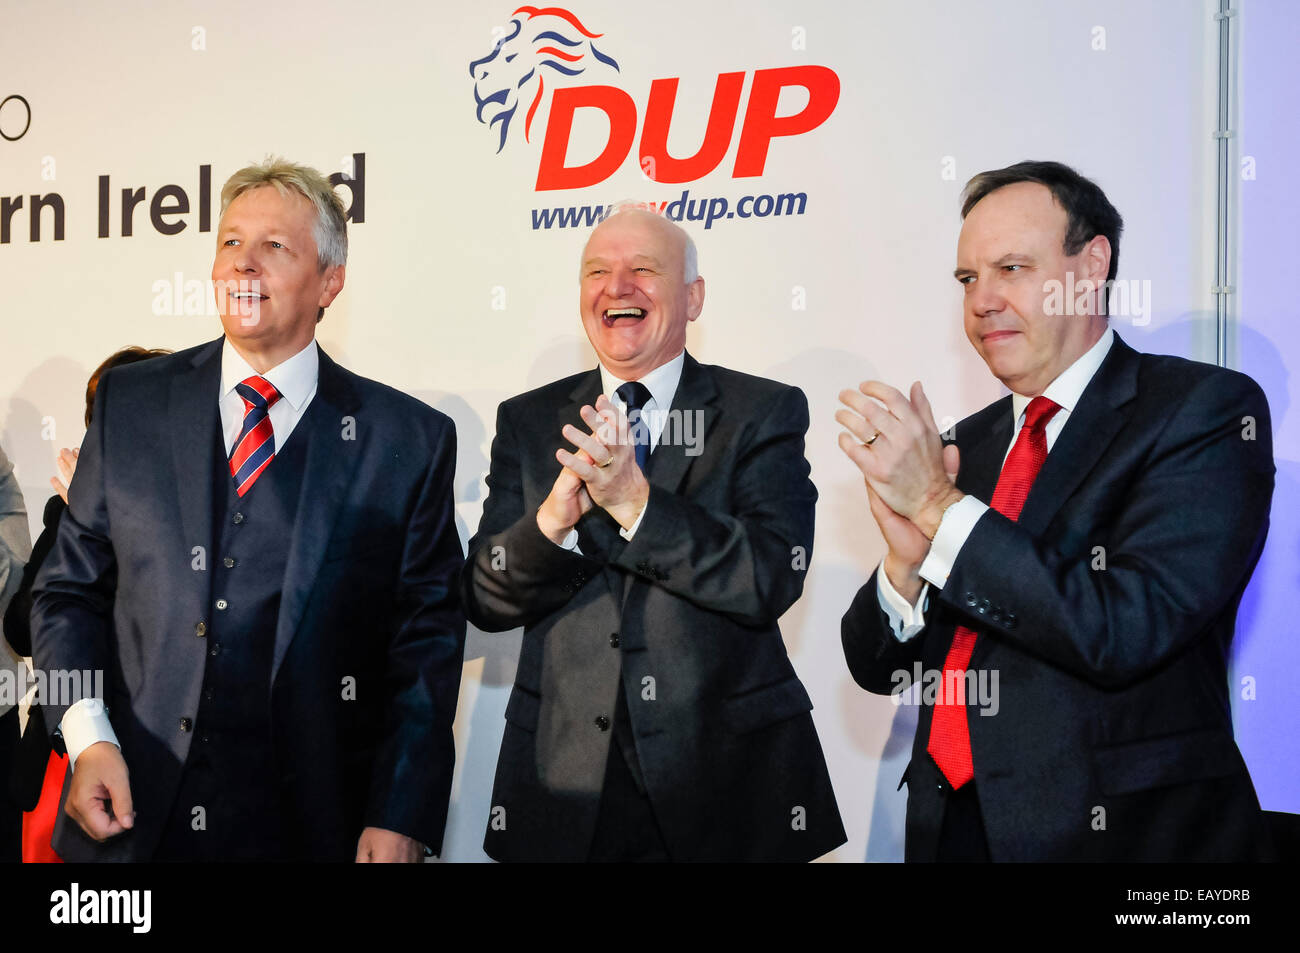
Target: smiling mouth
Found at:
626, 315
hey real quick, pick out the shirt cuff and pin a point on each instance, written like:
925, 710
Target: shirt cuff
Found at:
905, 619
631, 530
956, 526
84, 724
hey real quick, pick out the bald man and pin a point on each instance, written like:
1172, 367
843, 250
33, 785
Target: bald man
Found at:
647, 523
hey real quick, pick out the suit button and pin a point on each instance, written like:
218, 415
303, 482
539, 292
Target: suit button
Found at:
1010, 620
222, 603
207, 694
187, 724
215, 650
983, 608
971, 600
201, 629
613, 640
237, 518
996, 614
228, 562
602, 723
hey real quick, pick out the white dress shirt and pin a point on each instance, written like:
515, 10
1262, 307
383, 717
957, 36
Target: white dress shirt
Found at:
959, 520
662, 384
86, 722
295, 379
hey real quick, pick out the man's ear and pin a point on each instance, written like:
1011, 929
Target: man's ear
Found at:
1096, 258
694, 299
334, 276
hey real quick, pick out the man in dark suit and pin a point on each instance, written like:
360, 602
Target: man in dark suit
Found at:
655, 715
260, 553
1070, 600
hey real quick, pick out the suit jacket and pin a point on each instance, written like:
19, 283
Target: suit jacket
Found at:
682, 619
369, 638
1106, 613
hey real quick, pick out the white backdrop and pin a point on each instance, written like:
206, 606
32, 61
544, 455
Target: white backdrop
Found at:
453, 296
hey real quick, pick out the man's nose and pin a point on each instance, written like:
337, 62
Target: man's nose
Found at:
987, 297
621, 282
246, 260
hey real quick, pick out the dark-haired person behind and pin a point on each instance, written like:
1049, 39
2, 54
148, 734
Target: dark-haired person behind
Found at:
1083, 572
38, 770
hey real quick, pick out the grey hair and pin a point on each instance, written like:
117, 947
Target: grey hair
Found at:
330, 230
690, 255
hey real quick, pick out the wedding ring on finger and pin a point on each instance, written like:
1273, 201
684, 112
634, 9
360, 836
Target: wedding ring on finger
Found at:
873, 439
606, 463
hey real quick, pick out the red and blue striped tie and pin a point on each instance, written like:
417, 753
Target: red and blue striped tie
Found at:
255, 446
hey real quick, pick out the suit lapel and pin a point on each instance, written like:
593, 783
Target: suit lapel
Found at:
1097, 418
669, 462
193, 418
693, 402
981, 460
327, 477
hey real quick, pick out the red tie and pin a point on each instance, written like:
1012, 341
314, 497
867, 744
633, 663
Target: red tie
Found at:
949, 732
255, 445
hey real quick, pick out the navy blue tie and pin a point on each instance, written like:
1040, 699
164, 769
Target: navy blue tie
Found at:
636, 395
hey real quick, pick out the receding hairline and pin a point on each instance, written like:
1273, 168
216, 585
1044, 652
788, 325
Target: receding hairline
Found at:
1033, 220
666, 225
1034, 186
286, 191
643, 215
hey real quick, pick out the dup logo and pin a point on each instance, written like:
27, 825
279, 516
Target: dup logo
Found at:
557, 45
551, 42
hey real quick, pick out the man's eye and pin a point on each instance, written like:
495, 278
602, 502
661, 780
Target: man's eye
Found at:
230, 242
645, 269
276, 245
1012, 267
965, 279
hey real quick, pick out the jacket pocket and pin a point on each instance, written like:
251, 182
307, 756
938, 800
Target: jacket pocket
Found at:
766, 706
1171, 759
523, 709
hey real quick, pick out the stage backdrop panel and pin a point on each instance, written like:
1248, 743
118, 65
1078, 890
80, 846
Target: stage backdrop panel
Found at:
816, 151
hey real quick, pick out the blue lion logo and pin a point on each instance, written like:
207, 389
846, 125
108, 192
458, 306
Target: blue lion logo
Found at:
542, 38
